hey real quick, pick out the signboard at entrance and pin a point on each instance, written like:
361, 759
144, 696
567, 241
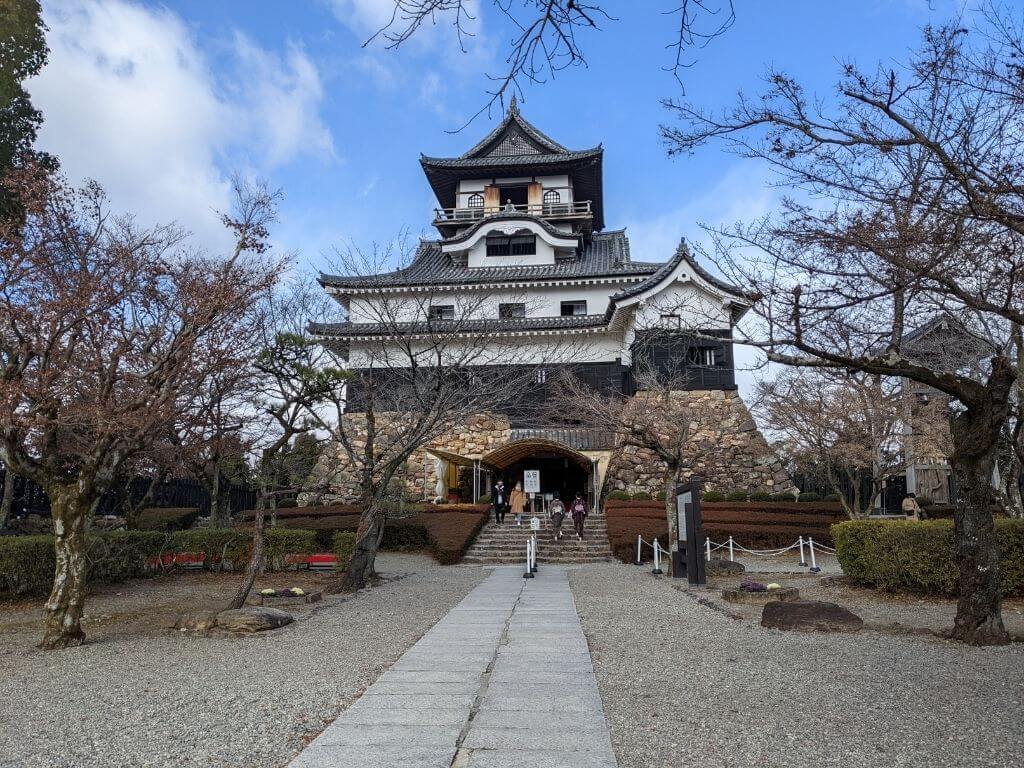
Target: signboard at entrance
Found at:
534, 523
531, 481
682, 500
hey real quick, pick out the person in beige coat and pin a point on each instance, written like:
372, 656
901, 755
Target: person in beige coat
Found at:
517, 502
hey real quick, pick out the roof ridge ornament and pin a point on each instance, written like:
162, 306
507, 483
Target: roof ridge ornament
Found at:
513, 105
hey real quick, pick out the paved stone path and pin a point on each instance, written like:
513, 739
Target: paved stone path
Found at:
505, 679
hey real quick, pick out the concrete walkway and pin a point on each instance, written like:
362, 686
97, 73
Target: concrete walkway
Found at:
505, 679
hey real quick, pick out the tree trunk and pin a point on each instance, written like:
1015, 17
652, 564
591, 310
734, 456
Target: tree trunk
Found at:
368, 538
976, 431
256, 561
63, 628
217, 517
7, 502
671, 481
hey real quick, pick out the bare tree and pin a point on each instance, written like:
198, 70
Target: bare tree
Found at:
850, 426
295, 378
415, 376
100, 325
917, 185
546, 36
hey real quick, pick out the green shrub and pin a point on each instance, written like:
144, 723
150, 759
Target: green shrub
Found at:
782, 497
830, 497
234, 545
617, 496
642, 496
167, 519
713, 496
760, 496
27, 562
809, 496
896, 555
736, 496
343, 546
289, 503
485, 499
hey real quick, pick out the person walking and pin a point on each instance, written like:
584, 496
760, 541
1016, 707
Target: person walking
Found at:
578, 509
557, 512
499, 500
911, 508
517, 501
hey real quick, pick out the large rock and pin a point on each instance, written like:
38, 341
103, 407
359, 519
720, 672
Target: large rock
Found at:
197, 621
720, 566
252, 619
810, 615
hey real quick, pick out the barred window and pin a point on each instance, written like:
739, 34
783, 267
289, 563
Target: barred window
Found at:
476, 200
511, 245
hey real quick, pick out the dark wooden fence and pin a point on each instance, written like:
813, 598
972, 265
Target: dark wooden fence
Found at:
29, 498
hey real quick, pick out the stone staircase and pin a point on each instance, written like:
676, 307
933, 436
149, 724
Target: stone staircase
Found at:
506, 544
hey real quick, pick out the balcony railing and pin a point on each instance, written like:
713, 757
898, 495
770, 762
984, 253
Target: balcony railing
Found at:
577, 438
577, 209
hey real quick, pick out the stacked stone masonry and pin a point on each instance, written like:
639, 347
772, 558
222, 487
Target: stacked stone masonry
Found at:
728, 454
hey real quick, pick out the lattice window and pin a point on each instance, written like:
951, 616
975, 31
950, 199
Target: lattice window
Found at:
513, 144
476, 200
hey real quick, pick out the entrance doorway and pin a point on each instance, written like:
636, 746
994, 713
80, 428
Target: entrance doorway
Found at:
562, 470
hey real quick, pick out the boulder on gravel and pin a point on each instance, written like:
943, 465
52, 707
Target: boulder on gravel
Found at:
252, 619
810, 615
719, 566
197, 621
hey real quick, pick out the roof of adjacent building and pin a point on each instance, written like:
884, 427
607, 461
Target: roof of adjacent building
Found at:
604, 254
519, 148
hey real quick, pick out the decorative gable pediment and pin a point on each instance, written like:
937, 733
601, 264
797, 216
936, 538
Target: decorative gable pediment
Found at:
514, 143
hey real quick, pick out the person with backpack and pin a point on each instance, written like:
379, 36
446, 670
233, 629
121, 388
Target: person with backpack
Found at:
578, 510
557, 511
499, 500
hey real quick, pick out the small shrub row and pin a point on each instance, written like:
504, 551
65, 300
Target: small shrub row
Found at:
167, 519
27, 562
896, 555
760, 496
343, 545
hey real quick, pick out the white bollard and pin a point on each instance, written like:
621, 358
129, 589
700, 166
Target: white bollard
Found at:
657, 559
732, 555
707, 549
814, 561
533, 541
639, 542
528, 574
802, 563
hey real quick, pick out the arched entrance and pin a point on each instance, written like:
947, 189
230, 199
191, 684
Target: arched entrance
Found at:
563, 470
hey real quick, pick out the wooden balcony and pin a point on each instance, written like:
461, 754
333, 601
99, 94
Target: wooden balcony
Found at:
579, 210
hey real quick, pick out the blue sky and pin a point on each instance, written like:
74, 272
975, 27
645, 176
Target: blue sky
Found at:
161, 102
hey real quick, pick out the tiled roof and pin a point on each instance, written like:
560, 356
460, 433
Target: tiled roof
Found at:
502, 161
605, 254
682, 254
463, 325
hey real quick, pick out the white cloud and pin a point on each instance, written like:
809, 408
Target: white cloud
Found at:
129, 99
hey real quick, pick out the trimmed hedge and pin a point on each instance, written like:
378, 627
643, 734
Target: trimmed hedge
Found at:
446, 530
343, 546
897, 555
167, 519
27, 563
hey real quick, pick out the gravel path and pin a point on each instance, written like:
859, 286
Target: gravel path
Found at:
695, 687
166, 698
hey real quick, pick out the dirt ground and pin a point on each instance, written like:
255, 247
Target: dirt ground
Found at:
149, 607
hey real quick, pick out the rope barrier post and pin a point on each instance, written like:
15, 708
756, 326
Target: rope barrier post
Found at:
639, 541
528, 574
707, 550
533, 541
814, 561
657, 559
802, 563
732, 555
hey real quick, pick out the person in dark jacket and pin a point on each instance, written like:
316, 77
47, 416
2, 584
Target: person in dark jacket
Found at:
499, 500
557, 511
578, 510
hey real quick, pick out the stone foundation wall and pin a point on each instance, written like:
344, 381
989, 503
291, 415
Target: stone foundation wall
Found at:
729, 454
